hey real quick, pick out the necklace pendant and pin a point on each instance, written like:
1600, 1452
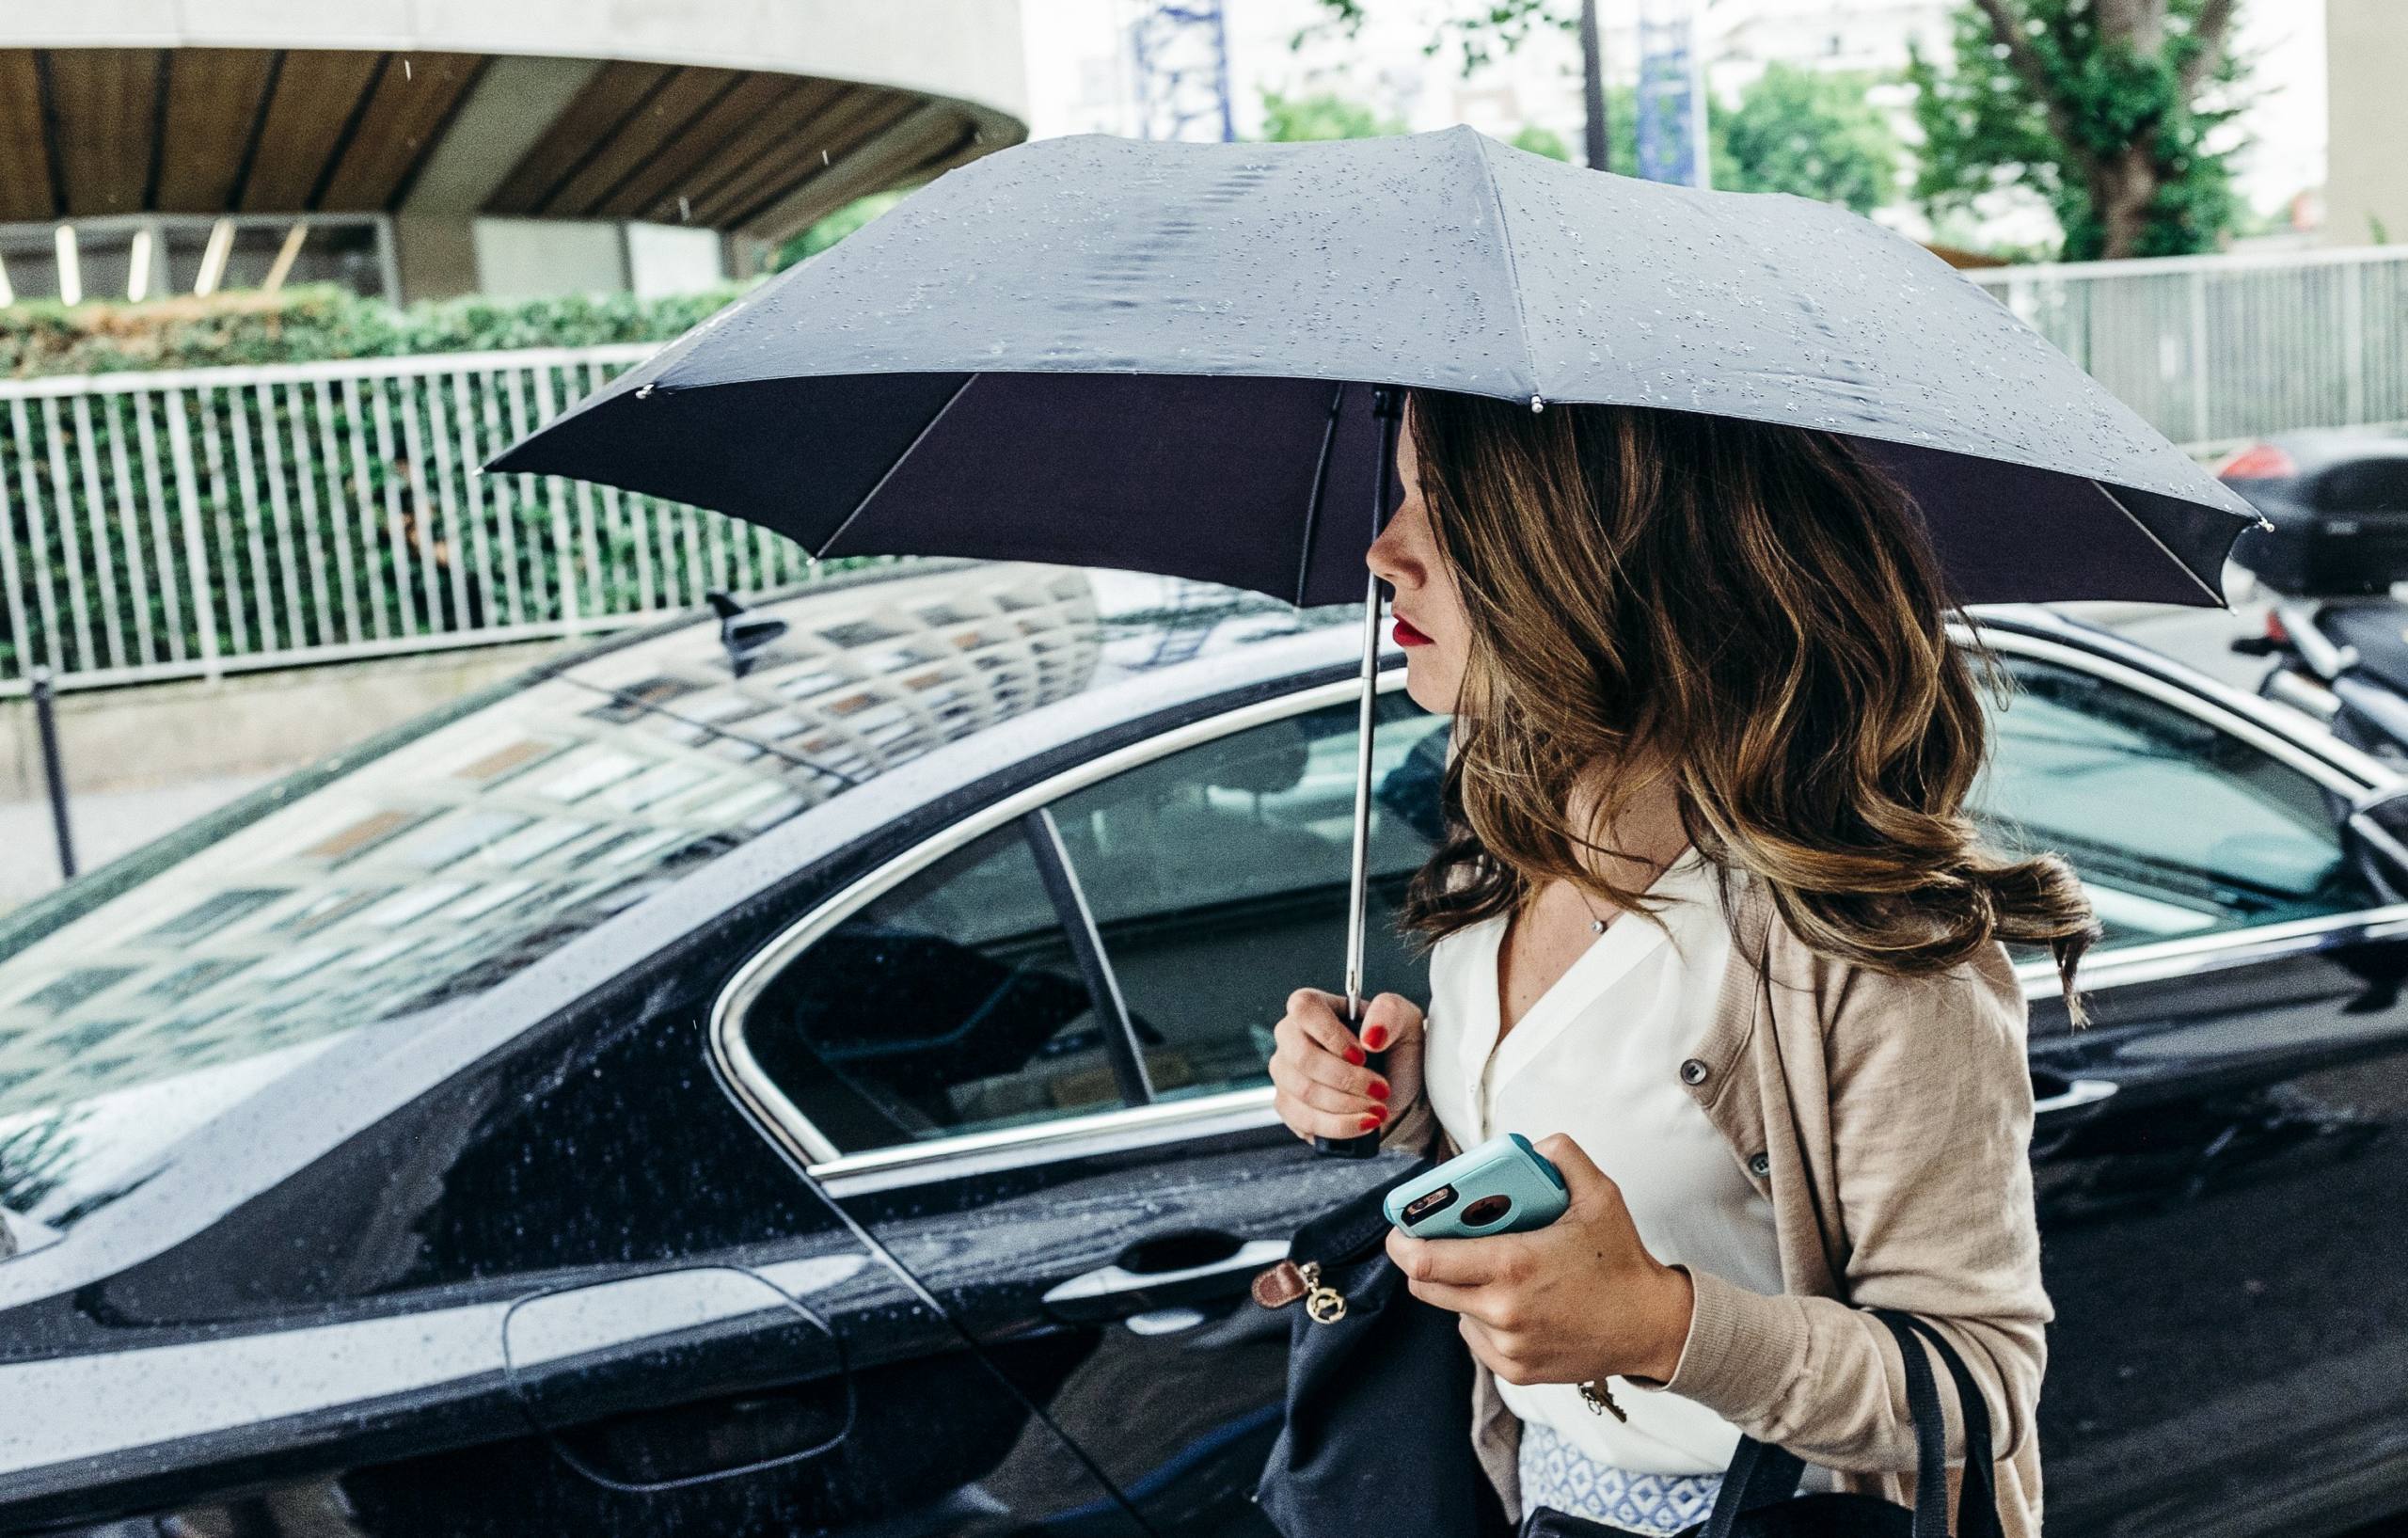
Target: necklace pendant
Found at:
1596, 926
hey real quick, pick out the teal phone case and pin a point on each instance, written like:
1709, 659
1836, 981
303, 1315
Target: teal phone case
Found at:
1502, 1186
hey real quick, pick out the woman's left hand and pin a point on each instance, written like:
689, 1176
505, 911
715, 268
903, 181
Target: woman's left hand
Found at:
1580, 1299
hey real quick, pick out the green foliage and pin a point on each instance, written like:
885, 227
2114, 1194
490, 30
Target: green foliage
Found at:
1812, 134
309, 323
1476, 36
2117, 117
804, 245
1323, 115
300, 513
1542, 141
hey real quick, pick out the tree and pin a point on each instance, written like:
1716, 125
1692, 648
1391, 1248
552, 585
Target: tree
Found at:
1542, 141
810, 242
1812, 134
2115, 111
1323, 115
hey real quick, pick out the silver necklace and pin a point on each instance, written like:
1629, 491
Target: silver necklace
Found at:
1597, 920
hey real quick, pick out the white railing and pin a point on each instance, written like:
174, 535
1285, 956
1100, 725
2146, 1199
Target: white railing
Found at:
2216, 349
192, 522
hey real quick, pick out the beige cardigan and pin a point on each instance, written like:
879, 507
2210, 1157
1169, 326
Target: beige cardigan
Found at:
1889, 1120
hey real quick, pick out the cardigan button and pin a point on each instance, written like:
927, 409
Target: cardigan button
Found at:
1693, 1072
1759, 1165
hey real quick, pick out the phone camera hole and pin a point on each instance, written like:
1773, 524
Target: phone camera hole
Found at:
1488, 1210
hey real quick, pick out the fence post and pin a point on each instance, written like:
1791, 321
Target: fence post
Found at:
2199, 418
53, 774
204, 601
2353, 345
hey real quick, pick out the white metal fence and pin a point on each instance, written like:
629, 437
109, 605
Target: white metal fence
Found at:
2215, 349
187, 523
190, 523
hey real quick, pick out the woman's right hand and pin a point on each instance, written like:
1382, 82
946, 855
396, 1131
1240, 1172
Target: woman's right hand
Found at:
1323, 1088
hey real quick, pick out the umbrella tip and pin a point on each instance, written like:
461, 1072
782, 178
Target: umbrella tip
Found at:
1537, 403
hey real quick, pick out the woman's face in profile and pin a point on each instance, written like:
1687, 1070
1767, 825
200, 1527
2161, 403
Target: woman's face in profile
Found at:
1428, 619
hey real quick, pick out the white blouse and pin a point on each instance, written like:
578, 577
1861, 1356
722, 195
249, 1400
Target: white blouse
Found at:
1598, 1057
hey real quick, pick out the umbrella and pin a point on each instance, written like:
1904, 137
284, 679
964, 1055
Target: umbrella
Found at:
1186, 358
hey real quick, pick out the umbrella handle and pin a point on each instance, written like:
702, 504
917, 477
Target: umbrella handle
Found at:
1368, 1145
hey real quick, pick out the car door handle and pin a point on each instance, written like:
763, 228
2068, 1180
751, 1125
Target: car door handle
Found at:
1114, 1291
2077, 1094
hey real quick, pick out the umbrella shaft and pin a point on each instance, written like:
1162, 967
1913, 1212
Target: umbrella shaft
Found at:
1357, 886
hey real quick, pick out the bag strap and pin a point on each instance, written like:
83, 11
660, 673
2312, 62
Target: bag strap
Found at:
1760, 1473
1931, 1430
1977, 1495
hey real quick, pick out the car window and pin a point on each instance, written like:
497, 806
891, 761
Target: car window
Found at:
1217, 877
2177, 827
952, 1003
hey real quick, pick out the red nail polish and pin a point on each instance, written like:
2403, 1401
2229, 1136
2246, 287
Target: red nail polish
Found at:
1355, 1055
1376, 1037
1374, 1120
1379, 1089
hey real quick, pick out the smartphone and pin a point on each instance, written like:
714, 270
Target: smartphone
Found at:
1502, 1186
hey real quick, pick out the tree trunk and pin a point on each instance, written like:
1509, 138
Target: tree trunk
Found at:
2121, 189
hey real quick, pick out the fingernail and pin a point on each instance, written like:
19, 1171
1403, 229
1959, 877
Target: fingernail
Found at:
1374, 1120
1355, 1055
1379, 1089
1376, 1037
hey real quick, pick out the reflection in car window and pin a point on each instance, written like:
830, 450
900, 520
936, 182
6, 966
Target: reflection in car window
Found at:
1218, 879
2176, 828
952, 1003
138, 1002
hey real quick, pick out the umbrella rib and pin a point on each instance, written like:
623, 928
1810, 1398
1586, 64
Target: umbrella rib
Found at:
1320, 480
1512, 267
871, 495
2118, 503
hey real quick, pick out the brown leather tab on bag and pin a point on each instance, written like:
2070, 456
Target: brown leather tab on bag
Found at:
1279, 1286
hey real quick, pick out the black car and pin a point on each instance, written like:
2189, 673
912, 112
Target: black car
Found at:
2337, 498
648, 1100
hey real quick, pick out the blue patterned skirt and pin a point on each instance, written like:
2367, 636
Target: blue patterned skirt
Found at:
1557, 1474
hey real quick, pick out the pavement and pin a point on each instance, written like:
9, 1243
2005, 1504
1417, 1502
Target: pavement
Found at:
103, 825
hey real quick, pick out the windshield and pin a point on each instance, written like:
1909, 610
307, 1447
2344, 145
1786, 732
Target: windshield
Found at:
435, 862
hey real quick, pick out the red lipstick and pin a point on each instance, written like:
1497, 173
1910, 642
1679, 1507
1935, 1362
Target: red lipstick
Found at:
1406, 635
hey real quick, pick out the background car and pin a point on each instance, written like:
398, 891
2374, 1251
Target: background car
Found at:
830, 1099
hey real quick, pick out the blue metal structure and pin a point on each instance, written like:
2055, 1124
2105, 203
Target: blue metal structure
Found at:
1182, 55
1671, 94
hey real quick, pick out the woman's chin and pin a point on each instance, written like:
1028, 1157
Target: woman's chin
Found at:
1423, 685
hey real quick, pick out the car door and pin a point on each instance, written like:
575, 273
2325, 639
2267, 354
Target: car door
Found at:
2219, 1153
1030, 1061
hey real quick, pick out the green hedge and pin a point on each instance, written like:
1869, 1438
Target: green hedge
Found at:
302, 325
341, 538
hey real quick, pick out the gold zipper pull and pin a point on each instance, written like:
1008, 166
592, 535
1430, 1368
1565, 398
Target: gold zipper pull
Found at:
1325, 1305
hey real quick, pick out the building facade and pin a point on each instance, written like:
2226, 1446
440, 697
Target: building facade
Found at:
428, 148
2366, 190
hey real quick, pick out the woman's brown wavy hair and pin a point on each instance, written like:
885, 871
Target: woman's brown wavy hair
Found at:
1754, 609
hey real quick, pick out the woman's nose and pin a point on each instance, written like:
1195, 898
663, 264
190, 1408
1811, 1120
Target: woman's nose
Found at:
1387, 559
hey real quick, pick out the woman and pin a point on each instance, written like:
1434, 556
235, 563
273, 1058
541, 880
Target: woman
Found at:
1712, 923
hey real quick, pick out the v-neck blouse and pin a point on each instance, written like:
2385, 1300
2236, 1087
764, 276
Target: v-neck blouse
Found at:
1599, 1057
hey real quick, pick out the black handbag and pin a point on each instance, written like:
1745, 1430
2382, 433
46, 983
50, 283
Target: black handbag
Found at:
1377, 1440
1759, 1497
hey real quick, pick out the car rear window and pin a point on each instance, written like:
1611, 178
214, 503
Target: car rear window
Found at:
2369, 485
435, 863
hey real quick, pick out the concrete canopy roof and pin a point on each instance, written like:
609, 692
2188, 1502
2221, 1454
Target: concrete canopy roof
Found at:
753, 116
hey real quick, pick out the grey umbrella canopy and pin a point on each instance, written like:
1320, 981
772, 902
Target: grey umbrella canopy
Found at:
1153, 355
1185, 358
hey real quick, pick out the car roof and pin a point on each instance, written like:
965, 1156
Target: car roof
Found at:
2319, 448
